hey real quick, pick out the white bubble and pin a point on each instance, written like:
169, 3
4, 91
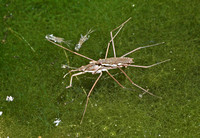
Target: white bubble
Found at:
1, 113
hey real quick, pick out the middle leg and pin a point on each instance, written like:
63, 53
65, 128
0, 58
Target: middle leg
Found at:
149, 65
88, 96
141, 48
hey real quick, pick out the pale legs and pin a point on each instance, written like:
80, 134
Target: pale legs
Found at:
88, 96
112, 38
137, 85
115, 79
149, 65
142, 67
80, 73
141, 48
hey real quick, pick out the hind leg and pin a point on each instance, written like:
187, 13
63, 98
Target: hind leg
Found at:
113, 37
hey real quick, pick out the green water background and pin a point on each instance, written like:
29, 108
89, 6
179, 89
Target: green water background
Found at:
34, 76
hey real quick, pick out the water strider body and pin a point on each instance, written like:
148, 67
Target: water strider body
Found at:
106, 64
101, 65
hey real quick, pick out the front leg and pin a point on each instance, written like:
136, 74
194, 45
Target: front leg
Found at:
72, 78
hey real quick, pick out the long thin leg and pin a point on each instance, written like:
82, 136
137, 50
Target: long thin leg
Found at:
69, 72
88, 96
137, 85
115, 79
107, 50
70, 50
70, 85
112, 38
149, 65
141, 48
111, 41
114, 52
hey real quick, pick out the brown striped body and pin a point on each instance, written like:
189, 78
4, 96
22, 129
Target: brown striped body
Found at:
106, 64
115, 60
